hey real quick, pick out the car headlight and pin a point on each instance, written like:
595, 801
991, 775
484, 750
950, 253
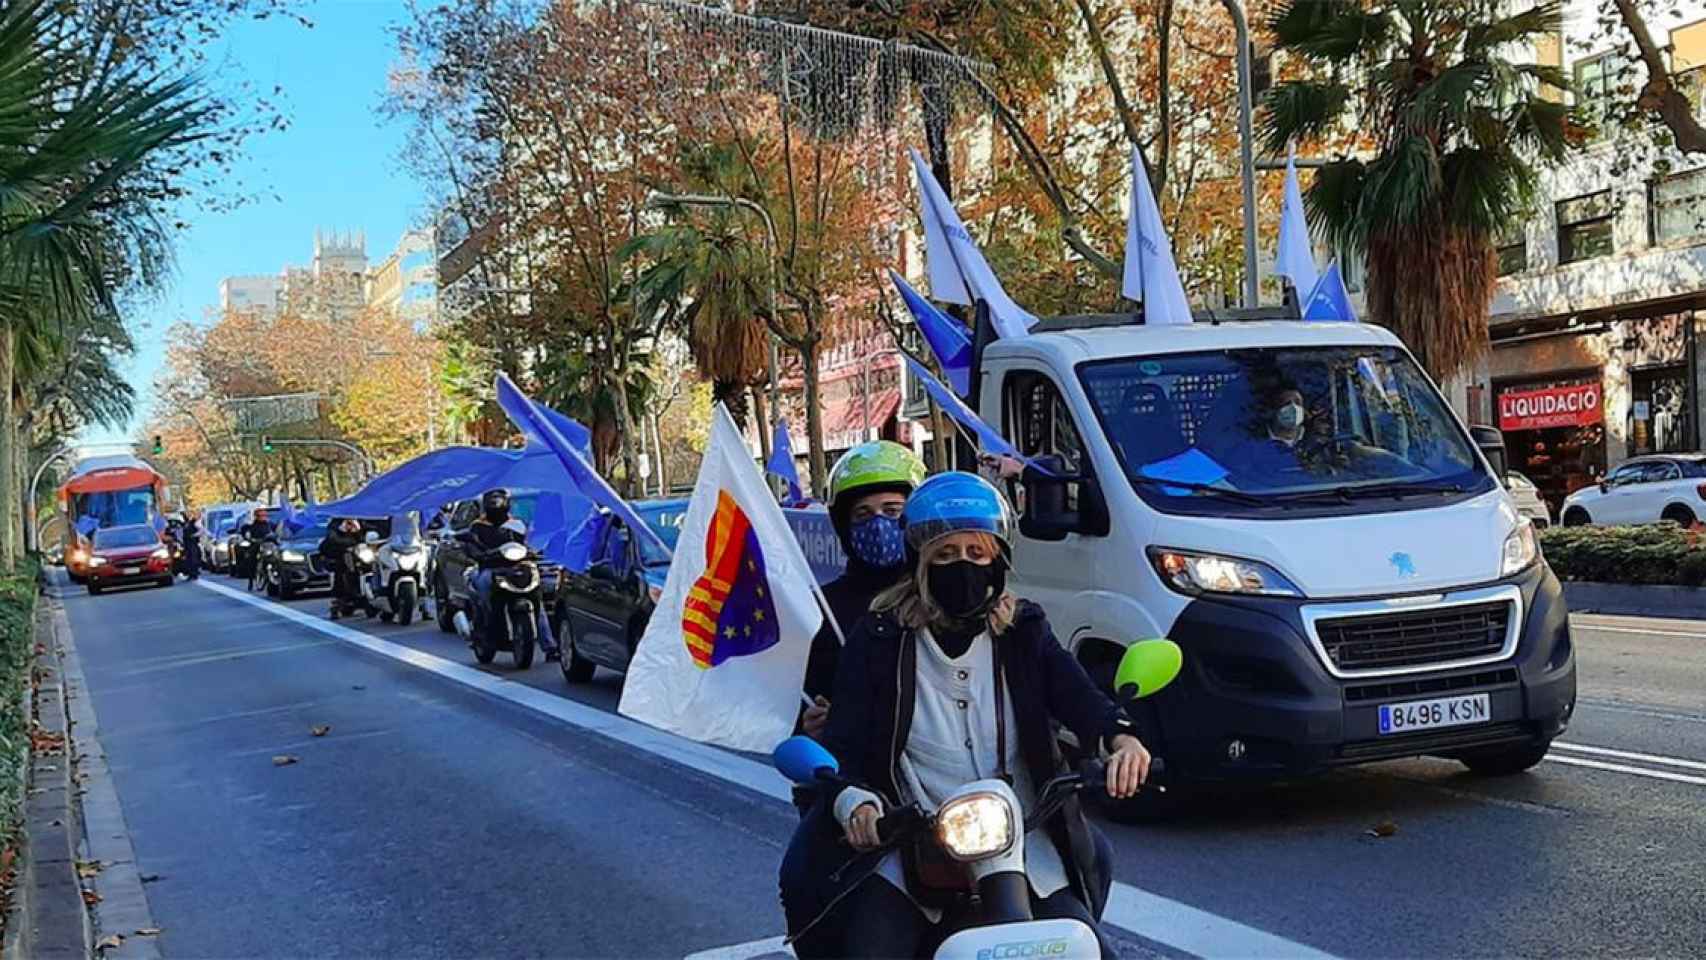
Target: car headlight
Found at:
97, 561
975, 826
1522, 548
1193, 573
364, 553
407, 561
161, 553
292, 556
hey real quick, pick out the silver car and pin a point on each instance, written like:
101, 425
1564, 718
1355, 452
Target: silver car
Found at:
1527, 498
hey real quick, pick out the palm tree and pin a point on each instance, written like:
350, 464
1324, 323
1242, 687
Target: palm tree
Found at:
67, 149
1459, 125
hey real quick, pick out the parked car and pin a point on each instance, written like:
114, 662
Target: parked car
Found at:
292, 564
600, 614
217, 522
123, 556
1526, 496
1643, 490
450, 559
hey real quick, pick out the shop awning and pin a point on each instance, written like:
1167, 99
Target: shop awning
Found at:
844, 421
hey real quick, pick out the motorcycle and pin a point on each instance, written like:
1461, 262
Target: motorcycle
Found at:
394, 583
511, 607
981, 828
358, 562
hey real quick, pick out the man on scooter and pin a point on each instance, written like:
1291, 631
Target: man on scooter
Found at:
490, 530
343, 537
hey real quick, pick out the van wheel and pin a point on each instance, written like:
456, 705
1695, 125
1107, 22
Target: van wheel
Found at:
1507, 760
1576, 517
1679, 515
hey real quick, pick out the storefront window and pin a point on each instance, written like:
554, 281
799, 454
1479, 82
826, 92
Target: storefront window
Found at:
1678, 203
1658, 411
1554, 433
1584, 227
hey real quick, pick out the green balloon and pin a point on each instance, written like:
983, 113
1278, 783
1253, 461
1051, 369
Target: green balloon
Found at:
1147, 666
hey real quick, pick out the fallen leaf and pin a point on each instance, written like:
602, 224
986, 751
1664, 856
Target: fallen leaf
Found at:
110, 943
88, 868
320, 730
1384, 829
283, 760
148, 932
91, 898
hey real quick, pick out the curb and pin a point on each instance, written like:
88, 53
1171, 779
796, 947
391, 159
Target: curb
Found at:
1635, 600
122, 910
18, 943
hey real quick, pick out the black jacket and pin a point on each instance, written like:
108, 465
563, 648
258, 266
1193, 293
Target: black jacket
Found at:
485, 536
870, 720
849, 597
338, 543
258, 531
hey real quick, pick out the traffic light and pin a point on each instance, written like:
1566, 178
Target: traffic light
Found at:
159, 445
266, 443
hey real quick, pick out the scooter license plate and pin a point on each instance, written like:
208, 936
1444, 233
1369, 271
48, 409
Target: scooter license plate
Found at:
1432, 714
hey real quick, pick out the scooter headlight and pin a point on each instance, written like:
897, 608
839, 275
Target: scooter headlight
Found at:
242, 543
364, 553
513, 552
1522, 548
292, 556
407, 561
975, 826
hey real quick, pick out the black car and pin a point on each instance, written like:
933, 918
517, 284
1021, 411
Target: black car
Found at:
293, 564
600, 615
450, 558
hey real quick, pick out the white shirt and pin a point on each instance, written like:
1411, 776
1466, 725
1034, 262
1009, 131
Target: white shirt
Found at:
951, 744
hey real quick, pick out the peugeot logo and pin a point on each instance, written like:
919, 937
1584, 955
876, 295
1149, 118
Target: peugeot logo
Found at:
1402, 563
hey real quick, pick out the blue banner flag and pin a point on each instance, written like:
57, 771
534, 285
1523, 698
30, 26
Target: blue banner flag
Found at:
949, 339
990, 441
1330, 300
533, 421
434, 479
782, 463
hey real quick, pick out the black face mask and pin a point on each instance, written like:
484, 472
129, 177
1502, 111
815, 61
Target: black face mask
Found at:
964, 589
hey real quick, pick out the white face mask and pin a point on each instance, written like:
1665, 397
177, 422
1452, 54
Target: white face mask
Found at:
1289, 417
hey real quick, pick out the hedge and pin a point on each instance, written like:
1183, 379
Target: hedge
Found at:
17, 644
1657, 553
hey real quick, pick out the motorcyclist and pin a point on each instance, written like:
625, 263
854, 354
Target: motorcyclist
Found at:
959, 651
257, 531
189, 537
341, 538
490, 530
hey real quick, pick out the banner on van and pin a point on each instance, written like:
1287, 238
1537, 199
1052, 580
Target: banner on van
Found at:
1576, 405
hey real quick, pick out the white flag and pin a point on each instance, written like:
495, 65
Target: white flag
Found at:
1150, 274
1296, 257
724, 656
958, 272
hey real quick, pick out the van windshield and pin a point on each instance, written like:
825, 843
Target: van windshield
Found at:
1260, 429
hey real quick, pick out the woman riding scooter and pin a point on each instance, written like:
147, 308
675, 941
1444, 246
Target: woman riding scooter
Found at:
952, 680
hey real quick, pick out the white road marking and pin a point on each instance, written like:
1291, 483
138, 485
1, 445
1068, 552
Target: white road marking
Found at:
742, 951
1629, 755
1624, 768
1146, 914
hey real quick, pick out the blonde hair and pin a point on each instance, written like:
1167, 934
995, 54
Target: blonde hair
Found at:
911, 603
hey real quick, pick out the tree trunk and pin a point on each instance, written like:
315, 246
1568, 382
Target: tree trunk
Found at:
939, 445
763, 418
625, 429
9, 493
814, 413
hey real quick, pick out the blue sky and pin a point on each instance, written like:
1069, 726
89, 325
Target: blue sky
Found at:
334, 167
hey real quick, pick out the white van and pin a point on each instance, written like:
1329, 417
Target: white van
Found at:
1298, 507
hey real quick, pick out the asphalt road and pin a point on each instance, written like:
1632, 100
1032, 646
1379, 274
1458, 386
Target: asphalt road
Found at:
461, 811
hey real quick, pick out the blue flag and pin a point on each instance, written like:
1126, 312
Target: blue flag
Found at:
948, 338
1330, 300
532, 420
579, 438
782, 463
990, 441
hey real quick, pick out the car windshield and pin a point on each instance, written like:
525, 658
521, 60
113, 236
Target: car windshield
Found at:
1260, 429
117, 537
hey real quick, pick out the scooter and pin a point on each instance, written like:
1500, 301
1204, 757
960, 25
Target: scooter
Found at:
358, 562
393, 584
511, 618
981, 828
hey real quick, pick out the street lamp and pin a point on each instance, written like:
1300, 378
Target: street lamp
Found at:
656, 200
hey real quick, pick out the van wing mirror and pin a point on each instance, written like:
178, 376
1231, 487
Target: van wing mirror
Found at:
1147, 667
1492, 444
1060, 504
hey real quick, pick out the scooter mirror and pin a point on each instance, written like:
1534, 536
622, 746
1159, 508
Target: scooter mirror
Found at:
803, 760
372, 536
1148, 665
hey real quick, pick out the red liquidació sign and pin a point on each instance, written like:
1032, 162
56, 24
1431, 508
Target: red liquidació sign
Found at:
1577, 405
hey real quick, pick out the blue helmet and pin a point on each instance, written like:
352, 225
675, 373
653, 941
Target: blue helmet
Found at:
956, 502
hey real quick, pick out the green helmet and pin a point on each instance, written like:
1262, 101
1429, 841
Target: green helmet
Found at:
880, 463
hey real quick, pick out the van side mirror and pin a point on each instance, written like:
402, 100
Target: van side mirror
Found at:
1492, 444
1146, 667
1060, 504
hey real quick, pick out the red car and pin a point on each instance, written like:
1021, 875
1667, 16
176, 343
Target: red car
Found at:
127, 555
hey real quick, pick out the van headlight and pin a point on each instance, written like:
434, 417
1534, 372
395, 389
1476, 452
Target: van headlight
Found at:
1193, 573
975, 826
1522, 548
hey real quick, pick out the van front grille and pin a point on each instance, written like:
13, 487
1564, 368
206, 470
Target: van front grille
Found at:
1417, 637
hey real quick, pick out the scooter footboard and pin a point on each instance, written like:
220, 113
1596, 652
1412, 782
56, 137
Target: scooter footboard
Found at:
1031, 940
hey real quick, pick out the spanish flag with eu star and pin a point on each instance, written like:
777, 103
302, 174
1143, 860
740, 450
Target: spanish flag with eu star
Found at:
724, 655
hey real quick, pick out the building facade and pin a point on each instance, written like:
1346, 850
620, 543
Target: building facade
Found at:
250, 293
